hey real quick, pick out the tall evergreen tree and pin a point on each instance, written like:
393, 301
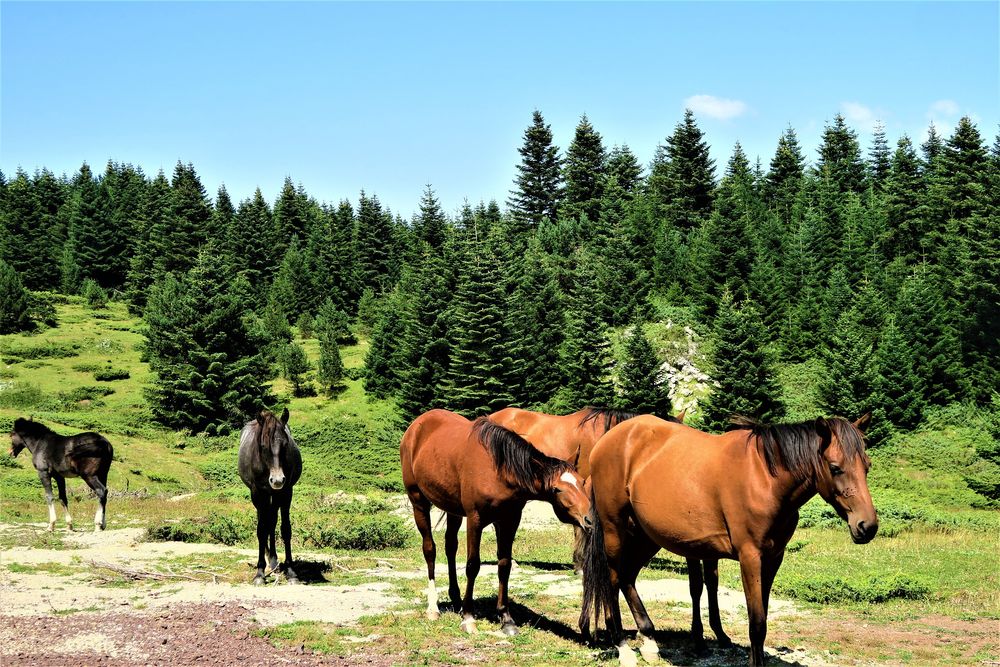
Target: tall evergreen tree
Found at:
15, 302
175, 240
624, 167
847, 388
538, 185
584, 173
27, 239
784, 178
897, 391
642, 387
383, 368
152, 218
373, 245
840, 156
904, 193
879, 158
98, 247
430, 224
682, 178
250, 242
209, 373
52, 196
292, 287
746, 381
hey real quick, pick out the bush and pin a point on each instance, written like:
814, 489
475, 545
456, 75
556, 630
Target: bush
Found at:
43, 350
305, 325
21, 396
825, 589
94, 294
215, 528
109, 374
365, 533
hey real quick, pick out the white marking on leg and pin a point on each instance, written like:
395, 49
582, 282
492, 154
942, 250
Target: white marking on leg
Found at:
99, 519
52, 515
469, 625
433, 613
626, 656
649, 650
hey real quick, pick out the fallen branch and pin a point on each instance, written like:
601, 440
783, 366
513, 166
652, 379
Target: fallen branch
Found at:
132, 574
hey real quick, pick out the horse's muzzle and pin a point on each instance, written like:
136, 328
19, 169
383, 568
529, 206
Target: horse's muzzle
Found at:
276, 484
863, 533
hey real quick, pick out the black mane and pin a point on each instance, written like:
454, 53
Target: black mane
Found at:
31, 429
515, 457
795, 446
612, 417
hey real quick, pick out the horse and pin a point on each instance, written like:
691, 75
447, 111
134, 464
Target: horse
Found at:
485, 473
270, 464
86, 455
735, 495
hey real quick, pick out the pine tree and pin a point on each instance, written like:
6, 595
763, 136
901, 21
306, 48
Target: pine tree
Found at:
784, 179
878, 158
209, 373
383, 370
682, 179
52, 196
537, 187
27, 239
331, 320
746, 381
15, 302
584, 173
624, 167
223, 214
331, 365
847, 387
897, 392
176, 239
904, 193
250, 243
97, 247
154, 215
295, 367
291, 217
292, 287
430, 225
642, 387
373, 245
840, 156
586, 353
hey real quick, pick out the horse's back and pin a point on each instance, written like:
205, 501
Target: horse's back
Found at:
553, 435
438, 453
86, 454
675, 479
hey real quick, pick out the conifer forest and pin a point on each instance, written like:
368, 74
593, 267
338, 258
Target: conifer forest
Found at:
873, 270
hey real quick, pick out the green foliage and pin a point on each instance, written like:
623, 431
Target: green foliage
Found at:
537, 187
109, 374
296, 369
215, 528
348, 531
642, 388
306, 325
93, 294
831, 589
15, 302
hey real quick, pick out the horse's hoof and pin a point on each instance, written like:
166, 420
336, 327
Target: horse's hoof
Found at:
258, 580
51, 528
649, 651
509, 629
69, 528
626, 656
433, 614
725, 641
292, 580
469, 626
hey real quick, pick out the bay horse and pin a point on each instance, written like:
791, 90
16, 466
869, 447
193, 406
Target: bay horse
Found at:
270, 463
485, 473
85, 455
735, 495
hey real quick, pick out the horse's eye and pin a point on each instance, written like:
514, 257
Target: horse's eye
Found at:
557, 490
836, 470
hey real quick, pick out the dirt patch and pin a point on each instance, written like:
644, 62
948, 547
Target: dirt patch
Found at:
194, 634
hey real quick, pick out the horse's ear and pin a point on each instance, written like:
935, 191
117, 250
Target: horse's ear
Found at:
260, 417
863, 422
284, 416
825, 434
680, 416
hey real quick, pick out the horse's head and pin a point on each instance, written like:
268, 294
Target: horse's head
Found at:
842, 477
17, 436
274, 439
569, 500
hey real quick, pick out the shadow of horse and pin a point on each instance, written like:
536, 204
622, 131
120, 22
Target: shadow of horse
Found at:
677, 648
309, 571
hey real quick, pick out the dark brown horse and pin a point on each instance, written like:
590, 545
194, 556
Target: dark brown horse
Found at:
84, 455
735, 495
486, 473
270, 464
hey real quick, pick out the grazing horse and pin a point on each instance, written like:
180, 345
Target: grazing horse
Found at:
485, 473
270, 464
735, 495
86, 455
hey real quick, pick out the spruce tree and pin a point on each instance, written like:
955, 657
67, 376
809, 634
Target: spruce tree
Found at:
331, 365
383, 372
373, 246
295, 367
292, 287
175, 240
682, 179
624, 167
250, 243
897, 392
153, 217
430, 224
879, 158
52, 196
26, 238
209, 373
642, 388
840, 157
784, 178
332, 320
904, 193
746, 381
584, 173
98, 248
847, 387
15, 301
538, 186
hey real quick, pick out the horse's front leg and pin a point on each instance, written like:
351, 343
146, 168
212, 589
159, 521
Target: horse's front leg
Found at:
262, 501
474, 534
712, 588
506, 529
451, 550
752, 573
695, 584
286, 537
47, 485
61, 486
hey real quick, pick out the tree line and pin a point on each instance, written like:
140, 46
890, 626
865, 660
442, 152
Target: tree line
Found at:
882, 265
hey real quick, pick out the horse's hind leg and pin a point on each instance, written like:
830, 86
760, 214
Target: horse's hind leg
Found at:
61, 485
47, 485
451, 550
712, 588
474, 534
695, 584
637, 551
101, 491
422, 517
506, 529
286, 537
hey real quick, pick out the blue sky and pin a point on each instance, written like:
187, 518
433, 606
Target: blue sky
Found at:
390, 97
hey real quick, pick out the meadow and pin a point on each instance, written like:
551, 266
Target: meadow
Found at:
925, 591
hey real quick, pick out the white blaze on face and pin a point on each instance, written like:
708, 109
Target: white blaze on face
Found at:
569, 478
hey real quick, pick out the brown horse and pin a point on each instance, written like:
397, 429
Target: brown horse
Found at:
735, 495
483, 472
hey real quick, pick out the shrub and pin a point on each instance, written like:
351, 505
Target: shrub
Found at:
215, 528
305, 325
109, 374
94, 294
7, 461
825, 589
21, 396
43, 350
364, 533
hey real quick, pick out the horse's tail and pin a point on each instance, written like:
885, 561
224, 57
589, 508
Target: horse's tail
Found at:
598, 593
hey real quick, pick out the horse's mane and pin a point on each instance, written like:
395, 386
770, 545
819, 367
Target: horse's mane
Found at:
515, 457
31, 428
262, 431
612, 417
794, 445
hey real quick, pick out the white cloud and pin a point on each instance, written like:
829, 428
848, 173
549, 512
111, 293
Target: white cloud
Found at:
716, 107
943, 108
860, 116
